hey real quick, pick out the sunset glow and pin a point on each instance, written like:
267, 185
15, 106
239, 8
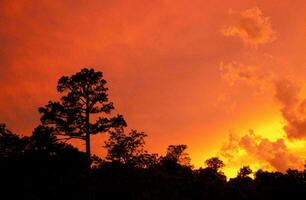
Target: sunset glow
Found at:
225, 78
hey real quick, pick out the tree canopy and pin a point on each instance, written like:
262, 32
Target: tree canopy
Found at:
129, 149
82, 108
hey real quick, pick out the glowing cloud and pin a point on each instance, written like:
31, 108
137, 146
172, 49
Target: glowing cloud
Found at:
271, 154
280, 153
252, 27
235, 71
286, 92
293, 108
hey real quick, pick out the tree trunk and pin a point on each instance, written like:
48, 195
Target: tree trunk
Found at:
88, 154
88, 147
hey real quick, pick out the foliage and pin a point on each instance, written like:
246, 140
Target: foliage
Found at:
78, 114
214, 163
129, 149
177, 154
244, 172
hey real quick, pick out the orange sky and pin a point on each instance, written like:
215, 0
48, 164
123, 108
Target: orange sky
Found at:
191, 72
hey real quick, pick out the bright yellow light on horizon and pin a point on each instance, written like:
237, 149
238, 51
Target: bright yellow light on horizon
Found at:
272, 130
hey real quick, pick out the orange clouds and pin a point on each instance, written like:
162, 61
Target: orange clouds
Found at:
234, 71
293, 108
252, 27
281, 153
259, 149
255, 149
275, 155
287, 150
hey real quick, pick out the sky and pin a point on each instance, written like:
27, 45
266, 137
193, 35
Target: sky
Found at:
226, 78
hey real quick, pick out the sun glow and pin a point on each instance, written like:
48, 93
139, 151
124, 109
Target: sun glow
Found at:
272, 130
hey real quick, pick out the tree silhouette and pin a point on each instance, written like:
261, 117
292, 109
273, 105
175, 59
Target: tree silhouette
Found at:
177, 154
78, 113
7, 139
11, 143
41, 166
129, 148
244, 172
214, 163
43, 138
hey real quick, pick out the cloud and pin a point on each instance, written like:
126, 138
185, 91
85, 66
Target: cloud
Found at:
252, 27
271, 154
279, 154
293, 108
287, 93
235, 71
269, 76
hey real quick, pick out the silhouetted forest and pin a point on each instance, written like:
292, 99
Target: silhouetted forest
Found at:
45, 166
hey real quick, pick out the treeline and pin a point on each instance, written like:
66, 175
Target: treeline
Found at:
44, 166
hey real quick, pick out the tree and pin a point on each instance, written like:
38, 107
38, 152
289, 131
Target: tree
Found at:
214, 163
129, 149
78, 114
43, 138
11, 143
177, 154
244, 172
